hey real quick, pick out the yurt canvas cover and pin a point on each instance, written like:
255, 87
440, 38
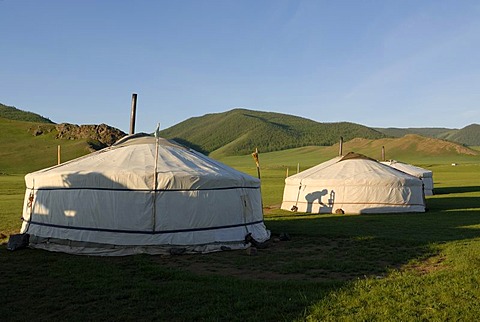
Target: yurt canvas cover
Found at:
141, 197
425, 175
353, 184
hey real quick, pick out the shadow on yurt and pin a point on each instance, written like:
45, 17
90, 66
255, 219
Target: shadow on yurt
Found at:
142, 195
353, 184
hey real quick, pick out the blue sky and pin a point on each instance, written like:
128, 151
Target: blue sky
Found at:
378, 63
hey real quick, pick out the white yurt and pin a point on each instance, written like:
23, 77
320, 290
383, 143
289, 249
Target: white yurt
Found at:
425, 175
142, 195
353, 184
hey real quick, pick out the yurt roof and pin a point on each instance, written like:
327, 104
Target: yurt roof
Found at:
353, 169
130, 164
409, 168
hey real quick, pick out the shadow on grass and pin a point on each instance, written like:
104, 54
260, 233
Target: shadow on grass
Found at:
325, 253
449, 190
143, 288
420, 228
447, 204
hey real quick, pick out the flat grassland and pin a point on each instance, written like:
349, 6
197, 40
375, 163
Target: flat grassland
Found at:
419, 266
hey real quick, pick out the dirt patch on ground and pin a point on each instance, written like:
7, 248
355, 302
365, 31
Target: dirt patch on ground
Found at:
322, 259
250, 263
428, 265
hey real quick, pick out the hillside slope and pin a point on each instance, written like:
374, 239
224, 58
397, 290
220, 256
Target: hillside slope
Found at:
24, 149
30, 146
469, 135
12, 113
408, 146
21, 151
433, 132
239, 131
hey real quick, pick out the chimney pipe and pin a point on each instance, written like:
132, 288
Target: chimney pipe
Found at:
340, 152
133, 113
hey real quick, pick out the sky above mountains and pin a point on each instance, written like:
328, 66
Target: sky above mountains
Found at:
376, 63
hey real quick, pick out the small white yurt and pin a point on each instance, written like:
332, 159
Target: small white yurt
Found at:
425, 175
353, 184
142, 195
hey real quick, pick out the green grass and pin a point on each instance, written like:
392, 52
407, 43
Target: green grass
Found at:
12, 193
335, 267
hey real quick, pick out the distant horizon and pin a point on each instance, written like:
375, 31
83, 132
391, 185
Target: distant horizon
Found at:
234, 108
128, 111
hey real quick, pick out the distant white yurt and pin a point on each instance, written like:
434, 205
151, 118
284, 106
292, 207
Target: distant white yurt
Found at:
353, 184
142, 195
425, 175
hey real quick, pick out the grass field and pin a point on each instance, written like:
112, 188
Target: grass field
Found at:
335, 267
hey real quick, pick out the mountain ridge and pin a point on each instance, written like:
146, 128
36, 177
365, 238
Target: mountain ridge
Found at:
28, 146
468, 135
237, 131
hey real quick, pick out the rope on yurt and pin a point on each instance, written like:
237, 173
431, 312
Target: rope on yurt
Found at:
154, 208
30, 203
245, 208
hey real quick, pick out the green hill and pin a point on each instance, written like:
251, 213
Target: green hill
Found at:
27, 145
12, 113
240, 131
30, 146
22, 151
469, 135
